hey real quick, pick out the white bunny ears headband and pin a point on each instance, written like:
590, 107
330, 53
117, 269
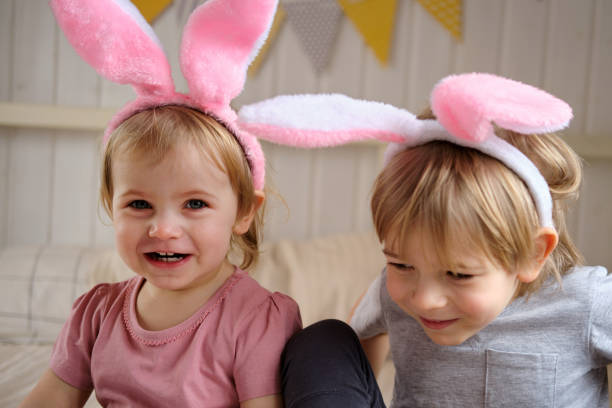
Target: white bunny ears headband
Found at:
466, 107
220, 40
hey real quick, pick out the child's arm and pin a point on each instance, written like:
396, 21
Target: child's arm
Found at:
51, 391
376, 349
269, 401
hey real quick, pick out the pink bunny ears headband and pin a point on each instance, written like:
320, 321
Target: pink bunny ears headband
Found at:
466, 107
220, 40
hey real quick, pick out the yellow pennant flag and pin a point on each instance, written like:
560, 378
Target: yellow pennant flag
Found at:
150, 9
279, 17
374, 19
447, 12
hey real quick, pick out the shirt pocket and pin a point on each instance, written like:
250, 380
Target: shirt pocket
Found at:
520, 379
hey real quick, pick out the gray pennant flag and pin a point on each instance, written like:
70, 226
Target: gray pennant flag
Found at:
316, 24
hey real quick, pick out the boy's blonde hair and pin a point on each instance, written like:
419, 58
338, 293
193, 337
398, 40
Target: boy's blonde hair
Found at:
459, 195
156, 131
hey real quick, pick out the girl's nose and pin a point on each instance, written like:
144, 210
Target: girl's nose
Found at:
165, 227
428, 296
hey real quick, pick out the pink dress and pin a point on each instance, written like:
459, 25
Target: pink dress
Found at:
227, 352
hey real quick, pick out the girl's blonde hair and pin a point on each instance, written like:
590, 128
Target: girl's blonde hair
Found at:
461, 196
154, 132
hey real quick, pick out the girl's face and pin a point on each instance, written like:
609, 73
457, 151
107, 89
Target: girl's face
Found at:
450, 304
174, 218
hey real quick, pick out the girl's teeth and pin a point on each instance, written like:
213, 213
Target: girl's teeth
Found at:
168, 256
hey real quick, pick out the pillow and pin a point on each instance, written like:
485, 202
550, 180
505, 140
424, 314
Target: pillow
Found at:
325, 275
37, 288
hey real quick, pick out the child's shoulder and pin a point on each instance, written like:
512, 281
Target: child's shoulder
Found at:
586, 286
586, 277
104, 294
252, 301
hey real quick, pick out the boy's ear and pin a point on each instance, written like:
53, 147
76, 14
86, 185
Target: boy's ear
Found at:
243, 222
545, 242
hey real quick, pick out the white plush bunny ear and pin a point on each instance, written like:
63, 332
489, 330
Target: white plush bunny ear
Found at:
467, 105
325, 120
220, 40
114, 38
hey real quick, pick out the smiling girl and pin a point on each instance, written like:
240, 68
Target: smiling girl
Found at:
183, 186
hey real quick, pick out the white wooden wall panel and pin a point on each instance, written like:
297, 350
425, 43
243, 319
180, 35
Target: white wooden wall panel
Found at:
6, 47
369, 165
385, 85
595, 229
73, 195
599, 119
523, 42
49, 179
343, 74
4, 178
569, 54
432, 57
33, 57
334, 190
6, 51
30, 161
480, 48
295, 72
29, 207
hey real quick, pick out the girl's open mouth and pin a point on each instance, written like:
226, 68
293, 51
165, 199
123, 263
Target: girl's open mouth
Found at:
168, 257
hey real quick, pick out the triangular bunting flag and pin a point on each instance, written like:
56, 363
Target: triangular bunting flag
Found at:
276, 25
374, 20
316, 23
447, 12
150, 9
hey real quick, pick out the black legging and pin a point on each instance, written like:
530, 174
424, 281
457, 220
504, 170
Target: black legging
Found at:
324, 366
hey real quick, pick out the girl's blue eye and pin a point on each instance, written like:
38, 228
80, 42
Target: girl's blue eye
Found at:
195, 204
139, 204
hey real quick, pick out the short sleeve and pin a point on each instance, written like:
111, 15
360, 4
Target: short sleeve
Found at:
601, 320
368, 319
259, 345
71, 356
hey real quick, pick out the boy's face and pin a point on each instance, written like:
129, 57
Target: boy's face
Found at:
450, 304
173, 218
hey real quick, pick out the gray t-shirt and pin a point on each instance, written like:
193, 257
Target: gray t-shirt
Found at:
548, 351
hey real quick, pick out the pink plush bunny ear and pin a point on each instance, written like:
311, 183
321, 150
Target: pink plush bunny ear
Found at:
467, 105
220, 40
114, 38
325, 120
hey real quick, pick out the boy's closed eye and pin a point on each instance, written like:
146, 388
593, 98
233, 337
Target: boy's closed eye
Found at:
400, 266
458, 276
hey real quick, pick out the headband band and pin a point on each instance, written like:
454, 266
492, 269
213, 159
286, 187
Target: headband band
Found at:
466, 107
499, 149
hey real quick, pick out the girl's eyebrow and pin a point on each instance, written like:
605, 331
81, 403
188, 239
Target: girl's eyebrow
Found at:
131, 192
196, 192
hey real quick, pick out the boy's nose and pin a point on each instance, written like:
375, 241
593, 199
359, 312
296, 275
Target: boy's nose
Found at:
428, 296
165, 227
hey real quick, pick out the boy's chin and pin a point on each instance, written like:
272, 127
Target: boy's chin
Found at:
449, 339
